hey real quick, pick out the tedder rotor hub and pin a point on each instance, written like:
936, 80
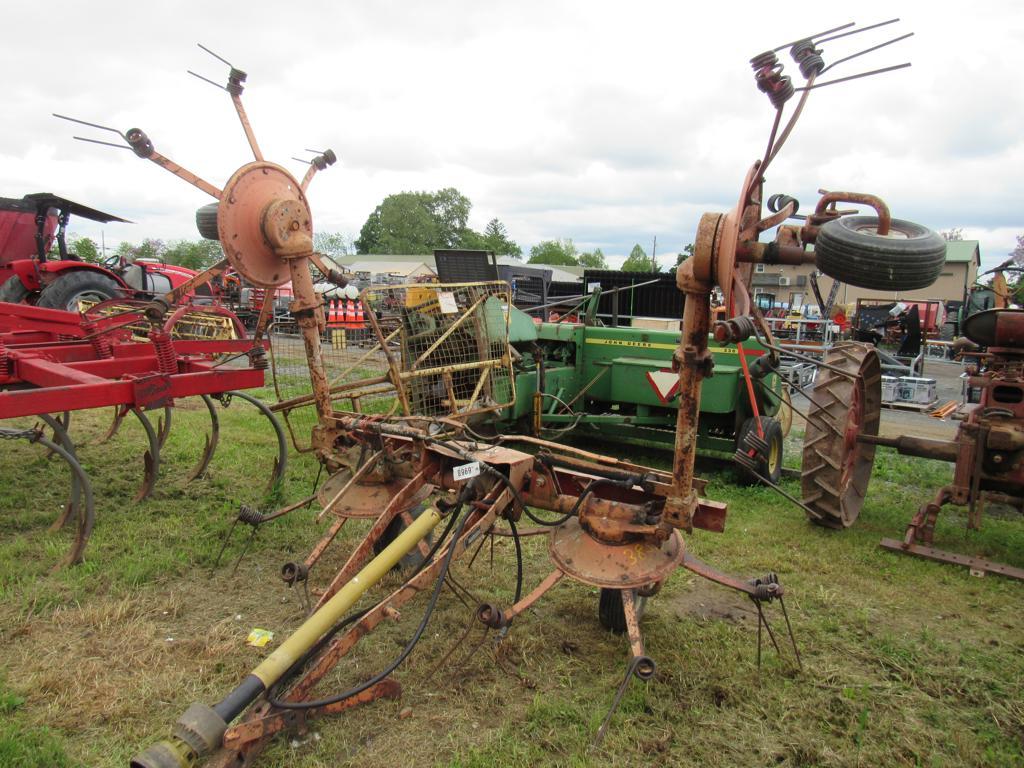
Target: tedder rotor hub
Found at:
263, 218
627, 566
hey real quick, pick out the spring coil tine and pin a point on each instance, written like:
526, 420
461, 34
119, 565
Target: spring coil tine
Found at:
770, 80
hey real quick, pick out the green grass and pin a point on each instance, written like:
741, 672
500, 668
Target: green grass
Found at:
906, 662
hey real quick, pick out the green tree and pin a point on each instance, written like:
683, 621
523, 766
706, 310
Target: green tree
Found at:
193, 254
150, 248
418, 222
85, 248
557, 253
333, 244
495, 238
686, 253
594, 260
638, 261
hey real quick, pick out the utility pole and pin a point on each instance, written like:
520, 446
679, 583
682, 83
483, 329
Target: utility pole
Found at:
654, 251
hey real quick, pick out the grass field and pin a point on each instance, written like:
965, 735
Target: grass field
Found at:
906, 662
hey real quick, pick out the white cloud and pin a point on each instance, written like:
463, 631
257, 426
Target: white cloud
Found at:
606, 123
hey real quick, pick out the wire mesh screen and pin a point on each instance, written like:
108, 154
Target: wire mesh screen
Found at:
412, 350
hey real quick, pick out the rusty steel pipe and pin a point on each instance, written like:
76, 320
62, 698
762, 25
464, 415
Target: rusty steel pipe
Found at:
922, 447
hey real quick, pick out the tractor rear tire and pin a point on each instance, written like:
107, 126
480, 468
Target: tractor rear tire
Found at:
413, 558
770, 466
850, 250
13, 291
610, 612
836, 465
70, 287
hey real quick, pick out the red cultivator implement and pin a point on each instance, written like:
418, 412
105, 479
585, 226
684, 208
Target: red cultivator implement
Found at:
114, 355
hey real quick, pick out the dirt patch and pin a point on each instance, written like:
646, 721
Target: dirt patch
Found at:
705, 601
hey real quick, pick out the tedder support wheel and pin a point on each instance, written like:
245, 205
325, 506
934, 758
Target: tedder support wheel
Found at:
836, 465
610, 612
13, 291
769, 466
414, 557
851, 250
80, 284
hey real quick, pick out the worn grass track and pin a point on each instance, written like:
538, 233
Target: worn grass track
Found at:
906, 662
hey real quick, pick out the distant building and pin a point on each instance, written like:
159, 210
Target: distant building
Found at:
790, 285
412, 266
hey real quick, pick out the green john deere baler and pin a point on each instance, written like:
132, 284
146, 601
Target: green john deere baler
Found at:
618, 384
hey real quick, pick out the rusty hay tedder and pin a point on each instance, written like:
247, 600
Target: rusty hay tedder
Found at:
395, 407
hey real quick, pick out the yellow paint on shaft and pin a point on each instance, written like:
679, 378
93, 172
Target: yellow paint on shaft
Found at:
332, 611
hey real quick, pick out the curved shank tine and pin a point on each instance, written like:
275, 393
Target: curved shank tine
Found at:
281, 463
211, 441
163, 426
60, 436
151, 457
86, 511
119, 414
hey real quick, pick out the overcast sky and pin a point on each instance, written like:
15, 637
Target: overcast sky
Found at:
607, 123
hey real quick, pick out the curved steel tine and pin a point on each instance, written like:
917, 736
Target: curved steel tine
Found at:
86, 511
57, 437
115, 425
163, 426
281, 463
60, 436
151, 458
211, 441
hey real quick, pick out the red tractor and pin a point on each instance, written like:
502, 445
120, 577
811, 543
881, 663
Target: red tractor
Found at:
30, 273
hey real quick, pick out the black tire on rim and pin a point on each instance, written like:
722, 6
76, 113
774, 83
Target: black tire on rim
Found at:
850, 250
837, 466
68, 288
770, 466
610, 612
413, 558
14, 291
206, 221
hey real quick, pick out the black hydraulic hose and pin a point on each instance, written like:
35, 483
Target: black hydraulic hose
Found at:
438, 584
519, 559
323, 641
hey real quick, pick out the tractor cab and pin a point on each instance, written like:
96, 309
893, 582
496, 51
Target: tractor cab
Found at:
28, 270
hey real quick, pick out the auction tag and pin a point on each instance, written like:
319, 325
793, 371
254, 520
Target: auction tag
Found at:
447, 301
466, 471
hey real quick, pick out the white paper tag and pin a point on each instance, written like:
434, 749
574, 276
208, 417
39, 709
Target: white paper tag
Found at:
466, 471
447, 301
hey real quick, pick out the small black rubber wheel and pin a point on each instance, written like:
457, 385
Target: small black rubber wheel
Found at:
78, 285
206, 221
851, 250
414, 557
769, 466
610, 612
13, 291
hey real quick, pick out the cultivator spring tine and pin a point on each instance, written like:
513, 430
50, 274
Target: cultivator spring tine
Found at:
60, 429
281, 462
211, 441
86, 512
61, 437
163, 426
119, 413
151, 459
